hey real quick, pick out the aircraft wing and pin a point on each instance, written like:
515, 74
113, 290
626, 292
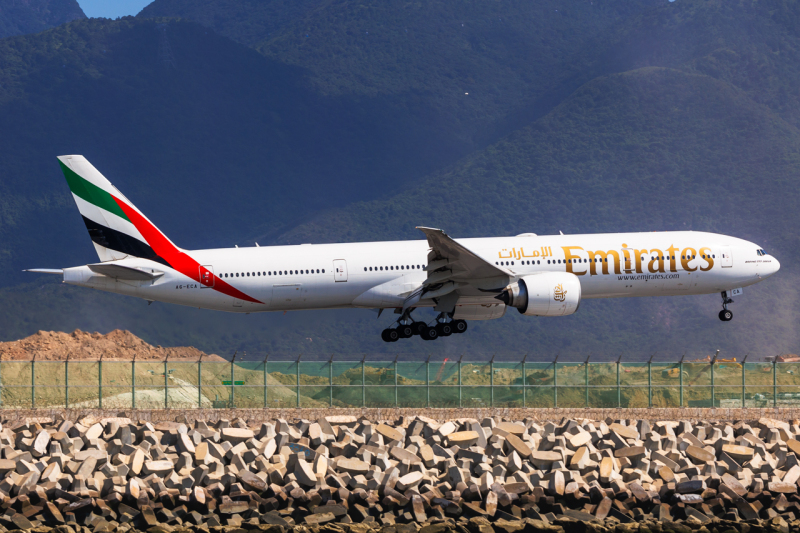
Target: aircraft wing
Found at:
452, 267
455, 261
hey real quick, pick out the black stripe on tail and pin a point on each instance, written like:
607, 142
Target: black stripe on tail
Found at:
120, 242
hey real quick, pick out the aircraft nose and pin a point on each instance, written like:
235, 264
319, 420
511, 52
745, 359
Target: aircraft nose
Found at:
775, 266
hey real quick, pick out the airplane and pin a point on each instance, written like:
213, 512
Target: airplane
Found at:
461, 280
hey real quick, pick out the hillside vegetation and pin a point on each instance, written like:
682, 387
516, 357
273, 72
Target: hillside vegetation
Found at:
245, 21
19, 17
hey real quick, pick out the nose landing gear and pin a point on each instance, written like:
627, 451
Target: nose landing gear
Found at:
726, 314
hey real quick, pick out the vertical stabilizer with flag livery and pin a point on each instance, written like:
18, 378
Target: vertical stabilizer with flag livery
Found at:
107, 213
119, 230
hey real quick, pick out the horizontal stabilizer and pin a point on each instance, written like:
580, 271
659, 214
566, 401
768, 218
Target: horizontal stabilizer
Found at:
125, 272
45, 270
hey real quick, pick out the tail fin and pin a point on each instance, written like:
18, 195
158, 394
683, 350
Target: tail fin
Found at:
117, 228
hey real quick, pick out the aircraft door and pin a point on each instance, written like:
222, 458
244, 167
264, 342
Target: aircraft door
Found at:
206, 276
726, 259
339, 270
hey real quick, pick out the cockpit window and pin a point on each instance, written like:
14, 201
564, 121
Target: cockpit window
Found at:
761, 252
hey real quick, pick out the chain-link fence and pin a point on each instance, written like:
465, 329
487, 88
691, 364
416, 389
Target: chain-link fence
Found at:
448, 384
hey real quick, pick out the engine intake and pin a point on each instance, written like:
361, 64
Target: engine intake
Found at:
545, 294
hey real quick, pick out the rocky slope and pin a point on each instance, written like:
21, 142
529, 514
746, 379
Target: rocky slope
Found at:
80, 345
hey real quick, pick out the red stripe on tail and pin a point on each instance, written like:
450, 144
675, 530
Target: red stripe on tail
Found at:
176, 258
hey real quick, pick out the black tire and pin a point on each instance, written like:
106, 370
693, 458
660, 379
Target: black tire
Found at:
431, 334
393, 335
405, 331
726, 315
445, 329
385, 335
459, 326
419, 327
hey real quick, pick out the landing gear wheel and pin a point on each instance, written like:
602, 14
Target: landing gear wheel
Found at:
390, 335
429, 334
459, 326
445, 329
419, 327
405, 331
725, 315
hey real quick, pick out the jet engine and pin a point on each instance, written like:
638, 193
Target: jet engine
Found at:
545, 294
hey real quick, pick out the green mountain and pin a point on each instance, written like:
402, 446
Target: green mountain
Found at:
586, 117
245, 21
482, 68
19, 17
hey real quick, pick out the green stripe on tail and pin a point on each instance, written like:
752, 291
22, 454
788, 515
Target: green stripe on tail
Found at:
91, 193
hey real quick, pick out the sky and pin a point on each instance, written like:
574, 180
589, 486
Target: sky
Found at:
112, 8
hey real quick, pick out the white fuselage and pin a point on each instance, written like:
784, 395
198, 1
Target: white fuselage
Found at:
378, 274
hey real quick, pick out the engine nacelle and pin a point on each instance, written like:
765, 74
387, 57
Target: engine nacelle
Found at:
545, 294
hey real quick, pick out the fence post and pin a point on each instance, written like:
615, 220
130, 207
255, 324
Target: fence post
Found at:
100, 381
743, 380
396, 400
524, 381
460, 399
680, 375
650, 381
775, 383
586, 379
200, 381
232, 399
66, 383
133, 382
555, 382
33, 382
330, 378
363, 382
713, 388
427, 382
491, 379
299, 356
266, 401
166, 389
619, 385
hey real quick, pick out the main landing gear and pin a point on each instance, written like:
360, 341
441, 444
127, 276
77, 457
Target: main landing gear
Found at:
408, 327
726, 314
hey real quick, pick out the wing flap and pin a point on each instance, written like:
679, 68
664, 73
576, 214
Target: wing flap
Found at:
463, 263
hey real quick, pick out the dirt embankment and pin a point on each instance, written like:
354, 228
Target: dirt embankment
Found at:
80, 345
